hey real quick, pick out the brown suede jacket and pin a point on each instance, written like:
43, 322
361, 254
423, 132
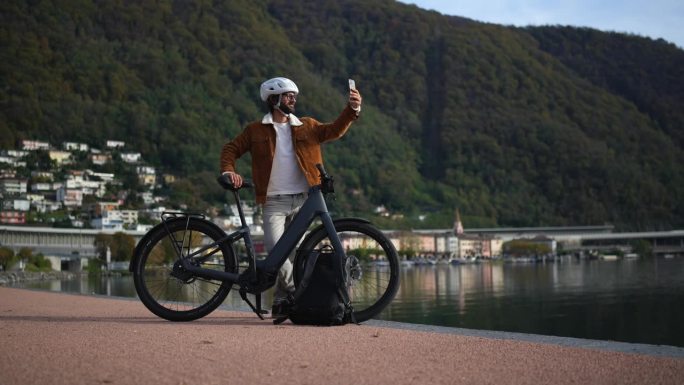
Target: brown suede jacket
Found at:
259, 139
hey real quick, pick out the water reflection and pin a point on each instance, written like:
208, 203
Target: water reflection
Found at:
626, 300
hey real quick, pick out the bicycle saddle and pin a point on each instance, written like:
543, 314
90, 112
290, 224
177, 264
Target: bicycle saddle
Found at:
227, 184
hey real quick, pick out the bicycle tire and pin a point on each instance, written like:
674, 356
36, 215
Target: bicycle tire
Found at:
186, 298
374, 281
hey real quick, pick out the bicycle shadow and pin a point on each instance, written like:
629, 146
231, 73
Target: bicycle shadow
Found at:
212, 321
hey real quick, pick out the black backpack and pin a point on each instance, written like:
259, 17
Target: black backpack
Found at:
321, 297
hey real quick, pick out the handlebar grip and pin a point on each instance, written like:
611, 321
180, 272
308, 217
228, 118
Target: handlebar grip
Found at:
321, 169
326, 180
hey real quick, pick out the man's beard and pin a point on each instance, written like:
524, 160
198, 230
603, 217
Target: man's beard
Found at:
285, 109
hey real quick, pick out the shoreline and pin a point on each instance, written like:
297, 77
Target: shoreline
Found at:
79, 339
10, 277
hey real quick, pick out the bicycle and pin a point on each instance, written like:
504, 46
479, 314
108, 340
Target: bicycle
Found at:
185, 267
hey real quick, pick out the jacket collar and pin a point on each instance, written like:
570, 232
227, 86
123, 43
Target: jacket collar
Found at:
294, 121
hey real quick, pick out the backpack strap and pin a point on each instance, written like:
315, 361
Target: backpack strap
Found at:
344, 294
308, 272
303, 284
348, 308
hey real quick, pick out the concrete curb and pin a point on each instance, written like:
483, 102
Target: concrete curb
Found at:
614, 346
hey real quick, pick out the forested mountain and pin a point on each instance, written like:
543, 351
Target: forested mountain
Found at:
513, 126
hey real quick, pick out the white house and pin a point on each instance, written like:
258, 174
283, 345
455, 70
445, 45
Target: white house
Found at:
16, 153
60, 157
42, 176
107, 223
9, 160
13, 186
70, 197
45, 186
235, 218
146, 175
131, 157
115, 144
32, 145
73, 146
147, 198
100, 159
77, 180
46, 206
103, 176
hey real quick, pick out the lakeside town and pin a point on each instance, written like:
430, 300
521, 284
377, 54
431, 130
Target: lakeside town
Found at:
72, 186
112, 189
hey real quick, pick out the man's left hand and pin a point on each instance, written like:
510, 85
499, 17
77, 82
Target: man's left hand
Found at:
355, 99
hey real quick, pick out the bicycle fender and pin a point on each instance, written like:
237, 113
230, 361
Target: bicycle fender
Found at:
136, 250
143, 241
335, 221
351, 219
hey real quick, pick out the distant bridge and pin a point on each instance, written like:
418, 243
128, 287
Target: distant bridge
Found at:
584, 238
66, 248
72, 244
662, 242
58, 242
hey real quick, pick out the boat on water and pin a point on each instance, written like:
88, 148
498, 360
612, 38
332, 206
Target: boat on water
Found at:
522, 260
461, 261
422, 261
609, 257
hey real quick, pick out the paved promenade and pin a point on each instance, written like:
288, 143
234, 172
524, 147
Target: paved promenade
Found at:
54, 338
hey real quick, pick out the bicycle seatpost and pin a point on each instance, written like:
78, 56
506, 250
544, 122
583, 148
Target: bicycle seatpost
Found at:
227, 184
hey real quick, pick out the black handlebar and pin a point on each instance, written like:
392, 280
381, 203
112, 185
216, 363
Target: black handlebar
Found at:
321, 169
326, 181
327, 185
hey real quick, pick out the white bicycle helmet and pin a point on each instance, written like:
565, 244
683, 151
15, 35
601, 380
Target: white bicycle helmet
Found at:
277, 86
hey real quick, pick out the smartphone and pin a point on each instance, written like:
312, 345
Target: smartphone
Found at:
352, 84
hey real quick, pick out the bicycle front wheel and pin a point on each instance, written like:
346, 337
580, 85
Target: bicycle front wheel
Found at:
164, 287
372, 264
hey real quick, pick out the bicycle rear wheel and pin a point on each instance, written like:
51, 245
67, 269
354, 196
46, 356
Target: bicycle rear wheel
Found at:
372, 265
164, 287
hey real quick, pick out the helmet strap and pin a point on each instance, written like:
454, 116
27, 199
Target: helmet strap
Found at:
282, 108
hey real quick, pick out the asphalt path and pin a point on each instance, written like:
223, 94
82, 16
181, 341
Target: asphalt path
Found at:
56, 338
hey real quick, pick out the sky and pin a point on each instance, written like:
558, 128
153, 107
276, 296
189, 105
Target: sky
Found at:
654, 18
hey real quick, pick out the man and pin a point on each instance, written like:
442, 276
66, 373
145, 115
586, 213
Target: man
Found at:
285, 151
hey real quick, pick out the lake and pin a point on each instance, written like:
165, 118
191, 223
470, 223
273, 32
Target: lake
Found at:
629, 300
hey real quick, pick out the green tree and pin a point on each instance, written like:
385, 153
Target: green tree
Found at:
642, 247
120, 245
38, 262
516, 126
522, 247
7, 258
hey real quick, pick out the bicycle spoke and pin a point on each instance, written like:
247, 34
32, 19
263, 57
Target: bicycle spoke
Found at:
372, 265
165, 287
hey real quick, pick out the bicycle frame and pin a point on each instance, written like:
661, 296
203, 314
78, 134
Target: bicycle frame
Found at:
313, 207
196, 282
